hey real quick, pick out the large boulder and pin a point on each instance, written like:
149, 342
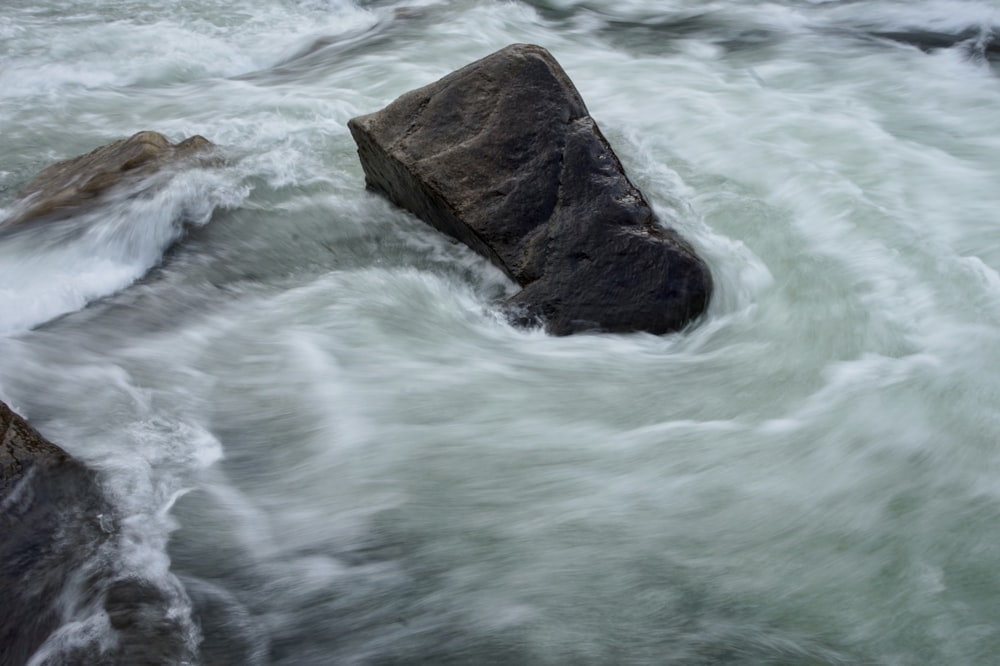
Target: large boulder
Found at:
503, 155
66, 187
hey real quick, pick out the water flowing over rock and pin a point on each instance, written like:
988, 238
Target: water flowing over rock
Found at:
978, 42
69, 185
58, 534
504, 156
49, 525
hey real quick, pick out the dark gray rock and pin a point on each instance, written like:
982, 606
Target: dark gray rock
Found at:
147, 629
503, 155
67, 186
59, 561
50, 525
979, 43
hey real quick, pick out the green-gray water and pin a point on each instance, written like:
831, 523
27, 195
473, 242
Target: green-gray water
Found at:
313, 414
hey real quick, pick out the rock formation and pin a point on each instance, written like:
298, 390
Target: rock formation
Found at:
504, 156
50, 512
58, 562
67, 186
981, 43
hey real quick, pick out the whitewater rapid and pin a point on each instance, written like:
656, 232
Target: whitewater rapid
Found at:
326, 438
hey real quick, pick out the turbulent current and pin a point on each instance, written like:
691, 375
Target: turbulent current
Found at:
324, 436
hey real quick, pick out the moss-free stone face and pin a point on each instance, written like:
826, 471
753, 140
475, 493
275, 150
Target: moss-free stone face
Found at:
503, 155
71, 184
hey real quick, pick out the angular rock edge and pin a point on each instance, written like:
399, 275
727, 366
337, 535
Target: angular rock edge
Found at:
67, 186
503, 155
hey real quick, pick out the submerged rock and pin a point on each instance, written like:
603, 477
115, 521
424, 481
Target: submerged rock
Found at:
978, 43
503, 155
67, 186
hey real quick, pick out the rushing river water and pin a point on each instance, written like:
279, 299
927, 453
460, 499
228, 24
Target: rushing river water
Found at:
313, 417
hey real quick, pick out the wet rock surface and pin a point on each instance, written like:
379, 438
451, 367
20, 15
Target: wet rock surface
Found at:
60, 564
50, 522
69, 185
504, 156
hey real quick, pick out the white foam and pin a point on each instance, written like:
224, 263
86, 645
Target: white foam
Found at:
50, 269
818, 452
